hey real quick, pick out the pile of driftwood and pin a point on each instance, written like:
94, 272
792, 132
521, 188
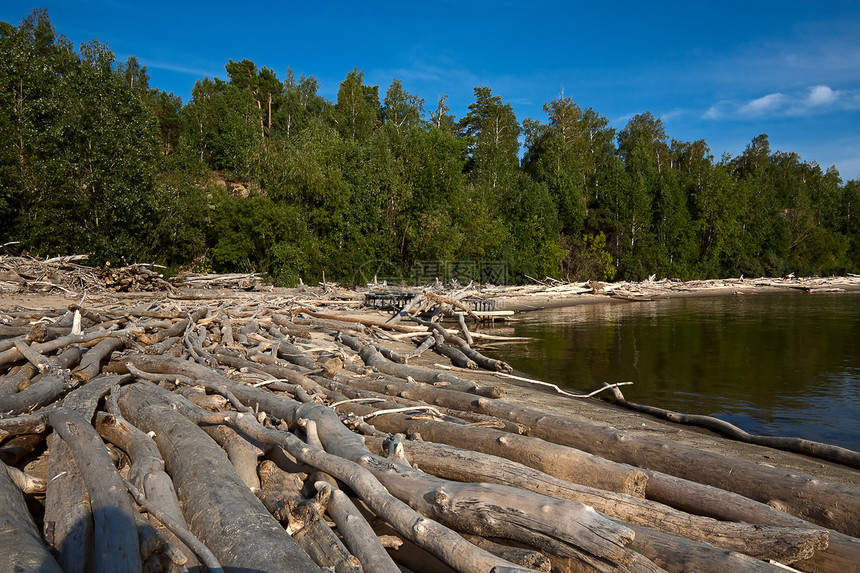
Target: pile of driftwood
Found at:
260, 438
26, 274
239, 281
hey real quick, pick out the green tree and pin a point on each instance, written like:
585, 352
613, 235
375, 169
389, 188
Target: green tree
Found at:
300, 105
357, 111
401, 110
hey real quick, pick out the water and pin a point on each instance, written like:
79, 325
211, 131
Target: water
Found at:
777, 364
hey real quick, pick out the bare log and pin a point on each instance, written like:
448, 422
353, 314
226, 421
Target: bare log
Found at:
457, 357
10, 384
68, 522
177, 528
827, 452
18, 447
91, 362
831, 505
20, 544
357, 533
147, 474
561, 461
477, 357
115, 532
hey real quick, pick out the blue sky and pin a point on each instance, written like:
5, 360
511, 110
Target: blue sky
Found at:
719, 71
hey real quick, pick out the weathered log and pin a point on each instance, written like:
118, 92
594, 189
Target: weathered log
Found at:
389, 353
20, 544
13, 354
146, 473
317, 538
85, 399
218, 507
455, 503
68, 521
91, 362
425, 345
46, 390
355, 320
681, 555
523, 557
243, 454
827, 452
17, 448
114, 530
357, 533
831, 505
477, 357
456, 356
178, 529
17, 425
783, 544
10, 384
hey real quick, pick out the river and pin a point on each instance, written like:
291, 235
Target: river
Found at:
777, 364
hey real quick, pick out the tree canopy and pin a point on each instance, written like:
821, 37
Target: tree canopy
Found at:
257, 172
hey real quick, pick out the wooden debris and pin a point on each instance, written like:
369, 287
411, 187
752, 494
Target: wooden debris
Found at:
291, 394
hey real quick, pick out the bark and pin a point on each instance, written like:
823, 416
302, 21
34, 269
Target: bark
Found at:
114, 530
20, 544
218, 507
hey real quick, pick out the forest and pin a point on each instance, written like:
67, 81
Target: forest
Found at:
261, 173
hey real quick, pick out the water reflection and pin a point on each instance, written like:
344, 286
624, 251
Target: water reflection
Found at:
776, 364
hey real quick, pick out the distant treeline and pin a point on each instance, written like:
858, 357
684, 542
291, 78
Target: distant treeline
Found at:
262, 173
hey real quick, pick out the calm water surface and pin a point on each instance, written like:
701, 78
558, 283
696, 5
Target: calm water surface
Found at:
780, 364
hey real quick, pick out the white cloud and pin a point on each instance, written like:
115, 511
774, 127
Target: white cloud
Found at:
822, 95
815, 100
763, 105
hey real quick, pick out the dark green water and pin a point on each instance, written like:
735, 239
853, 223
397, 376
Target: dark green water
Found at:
781, 364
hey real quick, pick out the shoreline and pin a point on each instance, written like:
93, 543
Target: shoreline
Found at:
332, 299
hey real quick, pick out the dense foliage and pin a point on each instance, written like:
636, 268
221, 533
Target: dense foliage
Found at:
261, 173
